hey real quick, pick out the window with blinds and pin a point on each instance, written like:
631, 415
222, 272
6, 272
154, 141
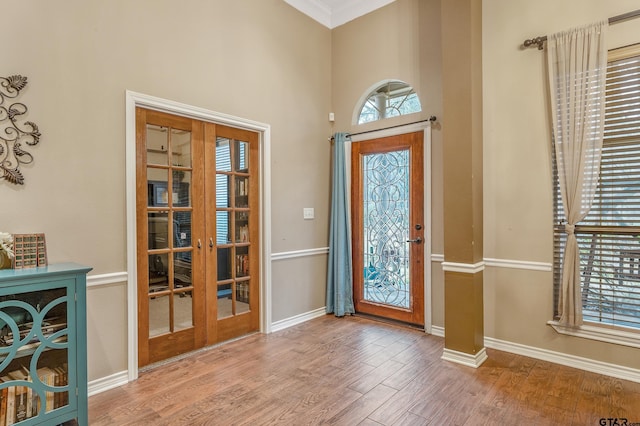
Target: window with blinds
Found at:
609, 237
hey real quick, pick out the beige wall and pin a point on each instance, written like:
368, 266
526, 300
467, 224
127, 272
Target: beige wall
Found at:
257, 59
517, 168
263, 60
400, 41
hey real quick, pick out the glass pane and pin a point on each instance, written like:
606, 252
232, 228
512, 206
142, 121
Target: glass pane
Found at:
392, 99
222, 190
181, 229
182, 271
242, 191
157, 145
157, 181
242, 261
52, 371
223, 155
182, 310
225, 305
242, 297
241, 156
242, 227
386, 228
158, 228
181, 192
158, 315
158, 272
224, 264
223, 223
181, 148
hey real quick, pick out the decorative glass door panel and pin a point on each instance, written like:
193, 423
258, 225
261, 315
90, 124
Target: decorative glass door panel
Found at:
387, 203
386, 228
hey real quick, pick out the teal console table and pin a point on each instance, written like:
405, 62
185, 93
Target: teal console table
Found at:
43, 345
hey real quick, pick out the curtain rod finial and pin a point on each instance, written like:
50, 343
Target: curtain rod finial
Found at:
538, 41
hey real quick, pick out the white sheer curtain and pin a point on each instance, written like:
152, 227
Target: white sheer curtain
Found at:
577, 63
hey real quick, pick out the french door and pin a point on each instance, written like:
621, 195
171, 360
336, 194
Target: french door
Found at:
388, 227
197, 234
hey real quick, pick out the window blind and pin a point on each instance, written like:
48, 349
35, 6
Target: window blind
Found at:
609, 237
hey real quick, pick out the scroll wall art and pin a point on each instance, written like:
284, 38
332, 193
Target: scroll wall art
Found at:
13, 134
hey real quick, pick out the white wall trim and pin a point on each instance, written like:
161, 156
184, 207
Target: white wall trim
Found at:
469, 360
436, 330
519, 264
502, 263
586, 364
314, 9
335, 17
298, 319
107, 279
106, 383
133, 100
299, 253
603, 334
465, 268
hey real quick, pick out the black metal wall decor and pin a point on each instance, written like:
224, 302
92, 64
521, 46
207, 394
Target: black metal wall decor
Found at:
13, 134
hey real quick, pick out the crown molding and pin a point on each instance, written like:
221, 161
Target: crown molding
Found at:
331, 17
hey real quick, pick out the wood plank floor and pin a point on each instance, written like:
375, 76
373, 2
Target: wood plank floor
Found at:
355, 371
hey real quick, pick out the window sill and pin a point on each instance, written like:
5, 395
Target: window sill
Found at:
602, 334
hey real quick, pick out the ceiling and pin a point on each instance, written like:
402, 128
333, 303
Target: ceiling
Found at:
333, 13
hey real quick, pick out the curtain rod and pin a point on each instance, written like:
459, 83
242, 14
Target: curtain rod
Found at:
539, 41
431, 119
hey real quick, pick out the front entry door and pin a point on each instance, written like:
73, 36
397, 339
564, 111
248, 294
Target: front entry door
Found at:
197, 234
388, 227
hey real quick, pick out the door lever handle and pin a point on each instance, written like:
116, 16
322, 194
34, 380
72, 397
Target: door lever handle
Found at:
417, 241
199, 243
211, 242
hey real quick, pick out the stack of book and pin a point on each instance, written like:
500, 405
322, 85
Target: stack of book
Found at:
21, 401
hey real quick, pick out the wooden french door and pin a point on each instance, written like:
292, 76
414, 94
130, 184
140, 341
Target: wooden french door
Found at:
388, 227
197, 234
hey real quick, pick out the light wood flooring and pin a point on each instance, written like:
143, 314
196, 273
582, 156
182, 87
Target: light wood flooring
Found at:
355, 371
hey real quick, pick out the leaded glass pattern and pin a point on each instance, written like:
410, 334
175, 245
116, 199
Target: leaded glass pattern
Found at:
386, 228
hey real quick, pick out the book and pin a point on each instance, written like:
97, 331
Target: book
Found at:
47, 377
11, 404
3, 406
21, 395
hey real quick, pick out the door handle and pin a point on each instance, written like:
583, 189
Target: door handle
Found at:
417, 241
211, 242
199, 243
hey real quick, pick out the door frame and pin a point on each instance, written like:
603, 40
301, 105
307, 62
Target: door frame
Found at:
425, 127
133, 100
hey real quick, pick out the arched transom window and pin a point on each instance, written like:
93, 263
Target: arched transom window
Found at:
390, 99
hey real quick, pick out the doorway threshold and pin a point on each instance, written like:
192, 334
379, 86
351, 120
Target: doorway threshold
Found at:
390, 321
189, 354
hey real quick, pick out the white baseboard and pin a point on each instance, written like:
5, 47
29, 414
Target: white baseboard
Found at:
437, 331
106, 383
297, 319
599, 367
469, 360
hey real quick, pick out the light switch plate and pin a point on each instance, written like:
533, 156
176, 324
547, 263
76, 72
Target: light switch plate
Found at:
308, 213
